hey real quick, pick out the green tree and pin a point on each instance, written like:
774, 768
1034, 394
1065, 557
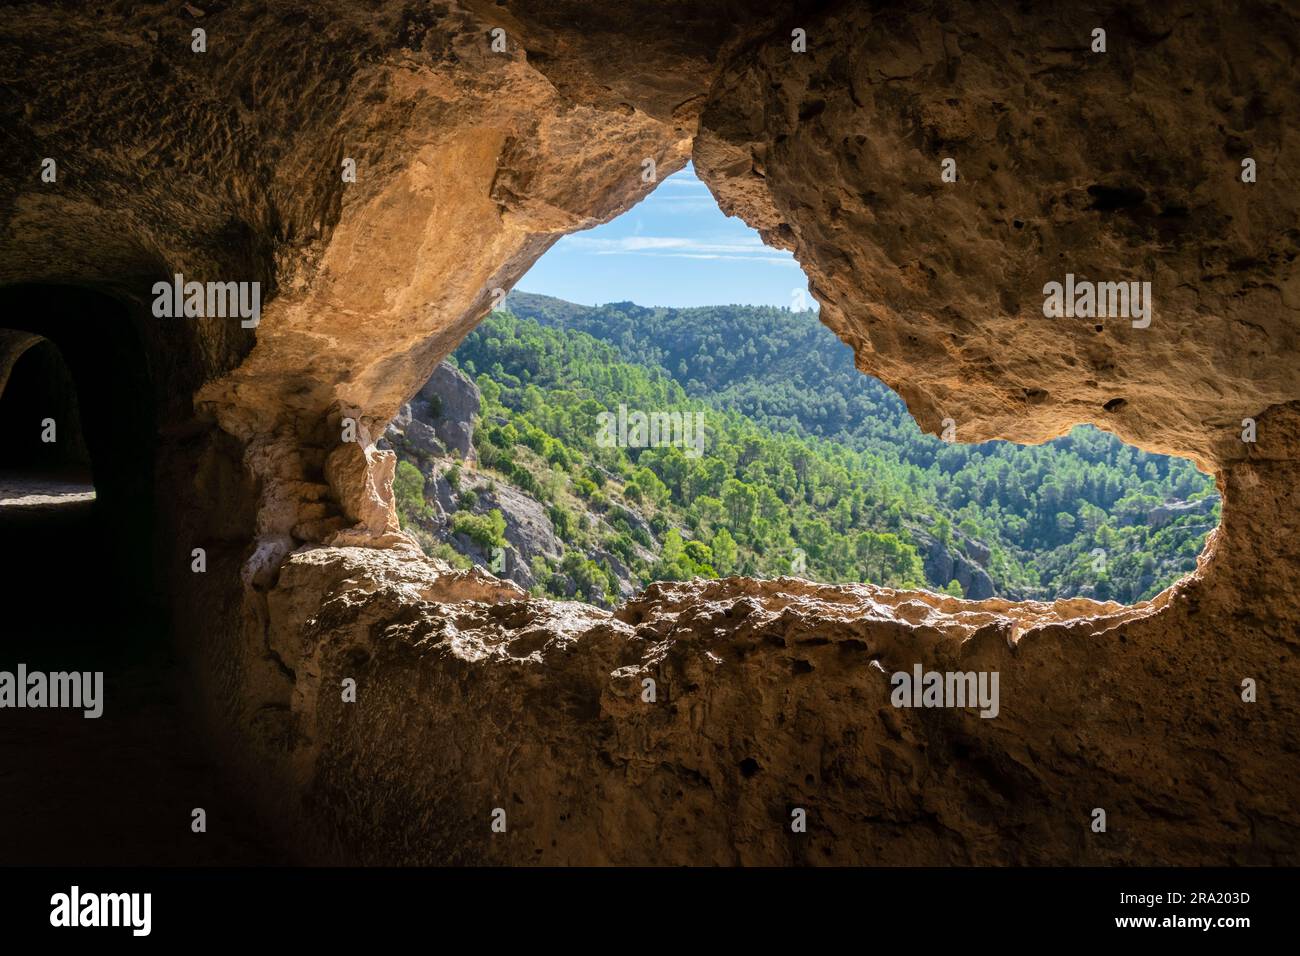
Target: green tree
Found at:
740, 500
724, 551
408, 493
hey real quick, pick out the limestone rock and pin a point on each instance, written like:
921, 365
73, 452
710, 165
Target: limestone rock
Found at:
414, 434
939, 286
1172, 510
528, 528
453, 403
470, 163
361, 478
943, 565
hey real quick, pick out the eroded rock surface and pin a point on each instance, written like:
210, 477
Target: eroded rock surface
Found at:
453, 401
1116, 166
771, 696
226, 165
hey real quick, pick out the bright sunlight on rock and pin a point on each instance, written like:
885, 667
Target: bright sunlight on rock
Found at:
651, 433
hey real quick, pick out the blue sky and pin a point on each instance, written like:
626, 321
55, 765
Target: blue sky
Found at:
675, 248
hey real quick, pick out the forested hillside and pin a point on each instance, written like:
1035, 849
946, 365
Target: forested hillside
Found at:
805, 466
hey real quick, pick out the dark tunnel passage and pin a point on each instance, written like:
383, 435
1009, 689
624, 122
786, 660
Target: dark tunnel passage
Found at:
76, 408
40, 423
84, 593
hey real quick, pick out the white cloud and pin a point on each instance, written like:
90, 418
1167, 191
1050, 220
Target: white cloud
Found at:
741, 249
744, 245
686, 183
703, 255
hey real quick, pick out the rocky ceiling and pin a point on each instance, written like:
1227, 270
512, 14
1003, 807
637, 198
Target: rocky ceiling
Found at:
1117, 166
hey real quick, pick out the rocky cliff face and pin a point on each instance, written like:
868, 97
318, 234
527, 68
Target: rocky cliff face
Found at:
439, 420
770, 697
963, 563
445, 411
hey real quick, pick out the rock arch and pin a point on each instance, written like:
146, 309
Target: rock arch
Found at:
226, 165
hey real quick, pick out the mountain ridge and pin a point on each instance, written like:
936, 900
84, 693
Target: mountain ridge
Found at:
844, 476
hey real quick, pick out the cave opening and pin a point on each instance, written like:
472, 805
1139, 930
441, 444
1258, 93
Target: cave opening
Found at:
383, 173
87, 597
77, 422
584, 444
44, 463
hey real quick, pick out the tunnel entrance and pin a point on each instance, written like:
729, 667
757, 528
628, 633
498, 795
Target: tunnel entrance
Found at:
85, 595
77, 436
44, 462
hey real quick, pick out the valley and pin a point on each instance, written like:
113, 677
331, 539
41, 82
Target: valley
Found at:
518, 457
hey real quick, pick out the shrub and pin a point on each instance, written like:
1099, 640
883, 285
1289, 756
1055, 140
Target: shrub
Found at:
562, 520
487, 530
408, 492
441, 549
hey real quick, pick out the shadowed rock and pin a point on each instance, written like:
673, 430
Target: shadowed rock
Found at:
226, 166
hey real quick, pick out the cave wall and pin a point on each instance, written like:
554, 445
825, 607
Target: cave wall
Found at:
226, 165
1116, 166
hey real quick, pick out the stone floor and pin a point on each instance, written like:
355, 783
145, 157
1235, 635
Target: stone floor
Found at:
118, 789
19, 490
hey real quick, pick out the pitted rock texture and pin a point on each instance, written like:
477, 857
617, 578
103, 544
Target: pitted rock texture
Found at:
227, 166
1116, 166
771, 696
